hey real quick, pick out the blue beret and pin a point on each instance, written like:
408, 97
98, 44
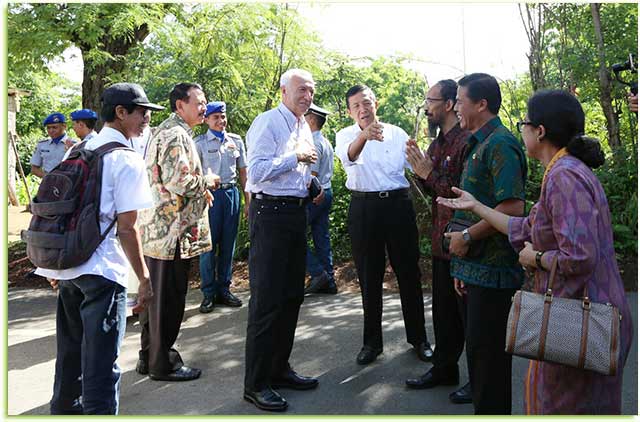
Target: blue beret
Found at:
215, 107
84, 114
54, 118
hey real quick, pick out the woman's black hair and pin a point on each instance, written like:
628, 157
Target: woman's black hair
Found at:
563, 119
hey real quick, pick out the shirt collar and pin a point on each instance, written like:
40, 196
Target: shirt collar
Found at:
113, 135
291, 118
216, 135
453, 133
175, 117
59, 138
487, 129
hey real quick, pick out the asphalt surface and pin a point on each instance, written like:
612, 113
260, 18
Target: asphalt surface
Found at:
328, 339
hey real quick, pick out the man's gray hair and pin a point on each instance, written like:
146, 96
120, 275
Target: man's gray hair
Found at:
286, 76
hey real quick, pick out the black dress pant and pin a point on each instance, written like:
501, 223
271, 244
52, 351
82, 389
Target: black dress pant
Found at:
277, 254
449, 315
376, 224
489, 365
161, 320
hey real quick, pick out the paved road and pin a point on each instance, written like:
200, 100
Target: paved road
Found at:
328, 339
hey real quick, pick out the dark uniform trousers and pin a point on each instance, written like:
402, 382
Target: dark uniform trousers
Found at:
489, 365
277, 232
161, 320
375, 224
449, 318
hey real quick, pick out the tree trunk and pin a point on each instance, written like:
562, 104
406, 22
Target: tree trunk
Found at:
613, 123
96, 76
533, 26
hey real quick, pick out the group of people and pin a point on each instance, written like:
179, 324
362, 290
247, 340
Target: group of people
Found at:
182, 200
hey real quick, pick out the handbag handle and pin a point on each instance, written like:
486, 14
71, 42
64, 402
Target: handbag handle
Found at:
548, 295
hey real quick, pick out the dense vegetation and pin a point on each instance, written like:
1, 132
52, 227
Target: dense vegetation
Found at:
572, 47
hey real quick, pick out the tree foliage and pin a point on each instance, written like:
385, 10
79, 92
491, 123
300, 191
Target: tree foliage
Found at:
238, 51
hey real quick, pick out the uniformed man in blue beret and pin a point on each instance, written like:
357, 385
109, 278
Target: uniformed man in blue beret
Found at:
320, 258
221, 153
50, 151
84, 123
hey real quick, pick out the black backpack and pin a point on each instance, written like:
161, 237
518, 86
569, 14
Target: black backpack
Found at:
65, 228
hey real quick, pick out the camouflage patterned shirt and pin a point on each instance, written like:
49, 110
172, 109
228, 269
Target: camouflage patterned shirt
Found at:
178, 188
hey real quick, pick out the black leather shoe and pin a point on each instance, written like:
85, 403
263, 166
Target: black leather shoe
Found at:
462, 395
183, 374
317, 283
228, 299
433, 378
142, 367
206, 306
266, 399
292, 380
367, 355
332, 289
424, 352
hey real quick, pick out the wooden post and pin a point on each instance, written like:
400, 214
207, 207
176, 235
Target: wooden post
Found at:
24, 179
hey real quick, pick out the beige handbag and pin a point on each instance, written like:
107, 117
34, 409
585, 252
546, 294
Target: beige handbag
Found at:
573, 332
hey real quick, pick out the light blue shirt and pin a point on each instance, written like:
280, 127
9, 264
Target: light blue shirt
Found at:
271, 143
324, 166
49, 154
215, 155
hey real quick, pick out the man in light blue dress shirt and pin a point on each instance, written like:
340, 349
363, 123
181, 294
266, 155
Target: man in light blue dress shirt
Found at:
221, 153
280, 150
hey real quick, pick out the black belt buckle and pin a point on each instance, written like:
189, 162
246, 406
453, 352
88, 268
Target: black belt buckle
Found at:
383, 194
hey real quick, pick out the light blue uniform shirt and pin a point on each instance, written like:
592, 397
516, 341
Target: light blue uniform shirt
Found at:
48, 154
215, 155
324, 165
273, 166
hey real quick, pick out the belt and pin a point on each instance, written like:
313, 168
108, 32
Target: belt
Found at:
286, 199
227, 185
381, 195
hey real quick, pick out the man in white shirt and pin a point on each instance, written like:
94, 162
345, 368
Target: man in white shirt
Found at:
381, 217
84, 123
91, 316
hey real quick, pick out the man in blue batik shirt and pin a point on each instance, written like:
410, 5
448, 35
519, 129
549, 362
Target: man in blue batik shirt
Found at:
221, 153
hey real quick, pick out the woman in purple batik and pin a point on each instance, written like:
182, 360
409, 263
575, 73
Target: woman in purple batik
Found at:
570, 221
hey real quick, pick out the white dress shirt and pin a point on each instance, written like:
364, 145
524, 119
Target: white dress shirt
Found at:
125, 187
380, 166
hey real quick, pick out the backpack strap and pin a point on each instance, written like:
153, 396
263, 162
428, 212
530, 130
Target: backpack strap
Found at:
101, 151
110, 146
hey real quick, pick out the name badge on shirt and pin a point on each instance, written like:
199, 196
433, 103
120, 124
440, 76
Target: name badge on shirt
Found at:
45, 150
211, 151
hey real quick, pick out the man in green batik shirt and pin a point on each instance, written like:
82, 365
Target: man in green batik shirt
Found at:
494, 172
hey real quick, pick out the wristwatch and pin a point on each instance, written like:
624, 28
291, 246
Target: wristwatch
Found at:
466, 235
539, 259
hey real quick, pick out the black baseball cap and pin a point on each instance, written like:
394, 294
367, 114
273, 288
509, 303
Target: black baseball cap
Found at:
125, 93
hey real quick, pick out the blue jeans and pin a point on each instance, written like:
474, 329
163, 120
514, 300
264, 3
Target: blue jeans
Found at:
320, 259
90, 324
215, 266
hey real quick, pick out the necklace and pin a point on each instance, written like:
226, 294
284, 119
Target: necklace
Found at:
561, 153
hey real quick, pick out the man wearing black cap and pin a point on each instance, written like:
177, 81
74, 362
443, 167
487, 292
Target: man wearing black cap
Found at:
221, 153
50, 151
320, 259
91, 315
84, 123
173, 231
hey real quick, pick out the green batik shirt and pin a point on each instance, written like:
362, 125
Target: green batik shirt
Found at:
495, 170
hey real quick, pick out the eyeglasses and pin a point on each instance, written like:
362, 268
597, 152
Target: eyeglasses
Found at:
522, 123
433, 100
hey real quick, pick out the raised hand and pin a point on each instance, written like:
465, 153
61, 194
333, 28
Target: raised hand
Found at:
421, 163
464, 201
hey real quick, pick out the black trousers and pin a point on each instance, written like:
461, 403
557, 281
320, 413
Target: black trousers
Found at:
376, 224
277, 254
161, 320
449, 314
489, 365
